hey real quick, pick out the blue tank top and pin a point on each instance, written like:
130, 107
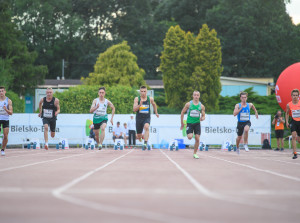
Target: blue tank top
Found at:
244, 114
3, 114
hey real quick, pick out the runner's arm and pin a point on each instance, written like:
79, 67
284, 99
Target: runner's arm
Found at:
237, 109
202, 113
113, 110
154, 106
56, 103
287, 114
183, 111
253, 107
10, 107
273, 122
93, 107
40, 107
136, 106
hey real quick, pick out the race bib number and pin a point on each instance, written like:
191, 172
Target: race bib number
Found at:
278, 122
296, 114
101, 111
144, 109
2, 111
244, 116
195, 113
48, 113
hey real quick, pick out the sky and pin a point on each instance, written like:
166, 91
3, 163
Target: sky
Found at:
293, 10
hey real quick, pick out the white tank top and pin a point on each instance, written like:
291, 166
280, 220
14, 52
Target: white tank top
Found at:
102, 110
3, 114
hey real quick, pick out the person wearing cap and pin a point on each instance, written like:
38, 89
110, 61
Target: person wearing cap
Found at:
131, 131
117, 132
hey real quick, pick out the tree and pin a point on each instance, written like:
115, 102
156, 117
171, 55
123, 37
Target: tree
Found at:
17, 67
175, 66
116, 66
188, 14
258, 37
208, 69
74, 30
189, 64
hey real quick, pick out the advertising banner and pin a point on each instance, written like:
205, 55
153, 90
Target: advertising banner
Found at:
76, 128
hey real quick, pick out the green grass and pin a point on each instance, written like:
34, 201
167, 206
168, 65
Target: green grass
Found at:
286, 143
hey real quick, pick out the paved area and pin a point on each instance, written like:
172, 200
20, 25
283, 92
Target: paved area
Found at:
134, 186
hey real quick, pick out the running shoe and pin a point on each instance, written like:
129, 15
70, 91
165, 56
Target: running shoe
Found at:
295, 156
46, 147
100, 146
2, 153
282, 149
246, 148
276, 149
238, 150
196, 156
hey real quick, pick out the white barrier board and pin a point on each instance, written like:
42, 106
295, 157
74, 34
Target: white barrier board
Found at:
75, 127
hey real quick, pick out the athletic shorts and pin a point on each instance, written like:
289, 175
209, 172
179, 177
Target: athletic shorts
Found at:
193, 128
140, 124
279, 133
240, 127
295, 126
4, 124
98, 125
114, 137
51, 123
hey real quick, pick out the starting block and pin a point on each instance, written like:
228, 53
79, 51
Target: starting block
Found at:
89, 143
227, 145
34, 143
203, 146
63, 143
173, 145
119, 143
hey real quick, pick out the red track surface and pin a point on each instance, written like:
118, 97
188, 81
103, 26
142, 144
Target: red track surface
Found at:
131, 186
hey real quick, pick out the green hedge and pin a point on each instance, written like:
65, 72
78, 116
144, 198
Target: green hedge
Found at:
18, 104
79, 99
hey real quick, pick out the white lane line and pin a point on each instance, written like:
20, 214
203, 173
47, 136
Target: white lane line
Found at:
131, 212
8, 155
257, 169
219, 196
281, 161
41, 162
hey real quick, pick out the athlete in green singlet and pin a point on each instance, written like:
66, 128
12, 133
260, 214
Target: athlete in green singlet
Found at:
99, 108
193, 108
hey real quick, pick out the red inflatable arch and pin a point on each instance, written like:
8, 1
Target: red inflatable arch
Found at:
288, 80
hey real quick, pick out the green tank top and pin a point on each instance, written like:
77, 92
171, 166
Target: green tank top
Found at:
194, 113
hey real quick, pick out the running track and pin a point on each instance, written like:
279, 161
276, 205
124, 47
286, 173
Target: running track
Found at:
135, 186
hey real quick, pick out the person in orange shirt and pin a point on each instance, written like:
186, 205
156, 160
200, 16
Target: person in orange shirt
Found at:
293, 110
278, 121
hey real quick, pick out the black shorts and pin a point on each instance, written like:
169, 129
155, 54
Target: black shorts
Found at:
240, 127
98, 125
4, 124
193, 128
295, 126
114, 137
51, 123
279, 133
140, 124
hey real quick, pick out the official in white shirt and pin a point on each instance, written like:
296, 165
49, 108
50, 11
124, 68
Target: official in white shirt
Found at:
117, 132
